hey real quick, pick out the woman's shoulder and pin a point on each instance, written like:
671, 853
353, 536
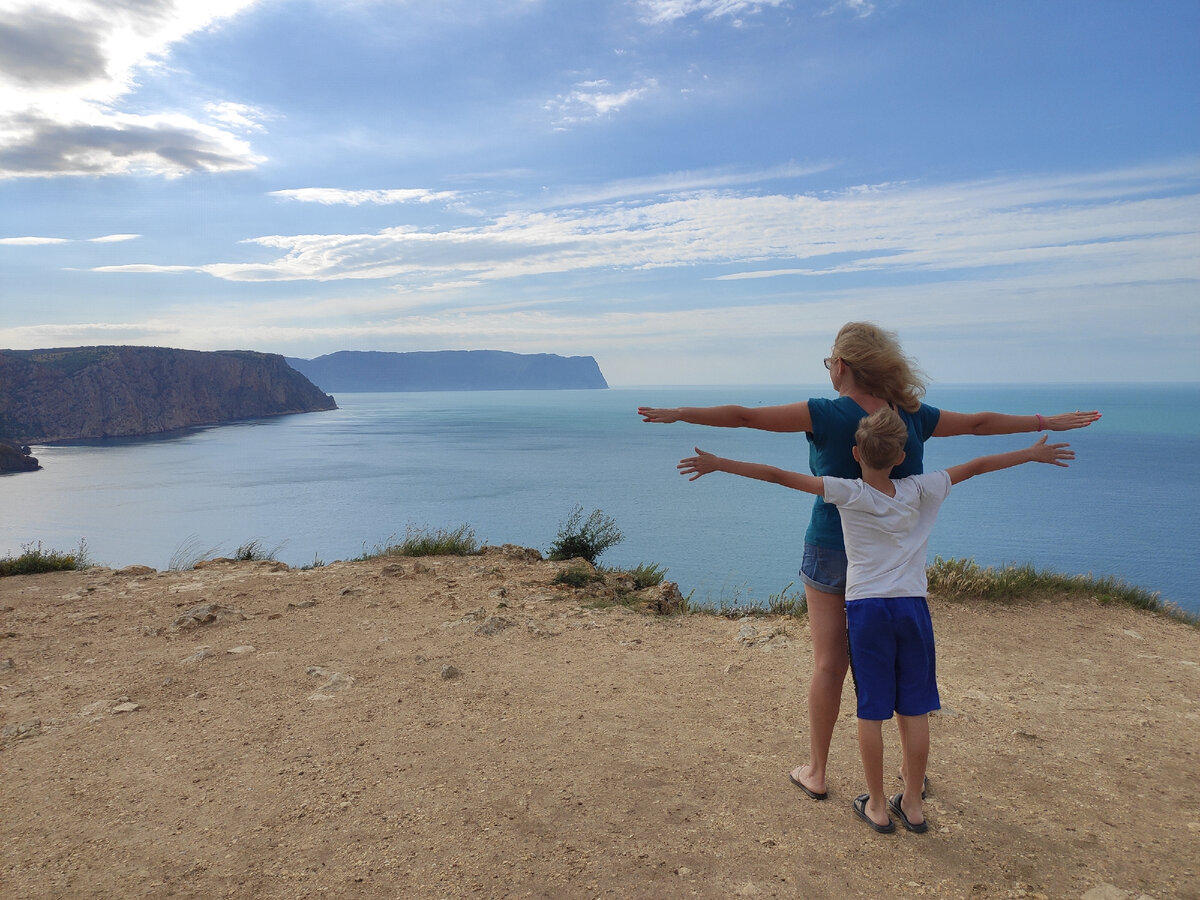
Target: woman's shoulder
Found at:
833, 404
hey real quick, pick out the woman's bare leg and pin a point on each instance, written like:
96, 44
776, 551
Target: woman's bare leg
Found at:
827, 623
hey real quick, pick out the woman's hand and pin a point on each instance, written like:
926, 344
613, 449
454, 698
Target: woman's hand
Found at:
1071, 420
664, 416
700, 464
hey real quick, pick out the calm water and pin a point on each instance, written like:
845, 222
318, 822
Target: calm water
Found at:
513, 464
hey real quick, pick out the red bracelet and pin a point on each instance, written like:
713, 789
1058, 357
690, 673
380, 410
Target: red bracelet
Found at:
1041, 421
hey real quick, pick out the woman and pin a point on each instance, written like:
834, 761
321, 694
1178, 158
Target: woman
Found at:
868, 370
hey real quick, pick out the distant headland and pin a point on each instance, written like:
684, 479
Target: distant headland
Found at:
450, 370
83, 393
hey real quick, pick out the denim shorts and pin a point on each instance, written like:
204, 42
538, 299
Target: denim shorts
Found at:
824, 569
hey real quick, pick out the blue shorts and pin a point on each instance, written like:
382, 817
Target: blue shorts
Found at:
824, 569
892, 657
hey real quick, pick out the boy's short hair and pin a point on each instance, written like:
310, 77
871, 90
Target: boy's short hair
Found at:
880, 438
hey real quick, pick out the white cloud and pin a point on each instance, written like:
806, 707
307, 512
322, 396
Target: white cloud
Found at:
591, 100
236, 115
338, 196
32, 241
1106, 227
662, 11
64, 67
114, 238
35, 241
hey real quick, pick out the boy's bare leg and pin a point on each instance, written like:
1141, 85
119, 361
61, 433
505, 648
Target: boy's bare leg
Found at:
914, 737
870, 748
827, 624
903, 730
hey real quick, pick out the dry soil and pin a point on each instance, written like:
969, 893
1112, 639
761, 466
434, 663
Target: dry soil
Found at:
464, 727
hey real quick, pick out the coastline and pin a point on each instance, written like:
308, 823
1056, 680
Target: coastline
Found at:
493, 734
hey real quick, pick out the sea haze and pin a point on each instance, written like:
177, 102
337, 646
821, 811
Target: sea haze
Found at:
512, 464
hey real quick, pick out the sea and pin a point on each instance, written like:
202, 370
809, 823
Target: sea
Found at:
513, 465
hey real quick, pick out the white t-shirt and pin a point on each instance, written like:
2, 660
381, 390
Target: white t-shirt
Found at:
886, 537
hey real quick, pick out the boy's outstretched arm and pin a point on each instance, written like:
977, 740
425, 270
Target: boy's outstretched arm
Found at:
1055, 454
703, 463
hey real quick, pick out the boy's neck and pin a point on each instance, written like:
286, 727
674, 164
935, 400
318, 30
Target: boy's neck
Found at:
880, 479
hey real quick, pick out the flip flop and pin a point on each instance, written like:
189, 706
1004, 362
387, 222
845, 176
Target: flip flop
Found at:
894, 806
860, 810
809, 791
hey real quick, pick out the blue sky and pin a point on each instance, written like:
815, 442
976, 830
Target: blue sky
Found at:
692, 191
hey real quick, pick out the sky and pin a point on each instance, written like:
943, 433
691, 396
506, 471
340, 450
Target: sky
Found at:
691, 191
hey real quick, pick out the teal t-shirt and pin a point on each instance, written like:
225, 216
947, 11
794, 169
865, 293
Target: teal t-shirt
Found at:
834, 423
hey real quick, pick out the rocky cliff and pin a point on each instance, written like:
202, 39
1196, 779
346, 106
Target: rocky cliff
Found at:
15, 458
450, 370
99, 392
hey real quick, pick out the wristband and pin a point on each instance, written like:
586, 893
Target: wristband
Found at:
1041, 421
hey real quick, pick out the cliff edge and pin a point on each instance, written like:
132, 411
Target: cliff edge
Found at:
100, 392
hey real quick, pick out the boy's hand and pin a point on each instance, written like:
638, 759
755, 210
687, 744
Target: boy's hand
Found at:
665, 416
700, 464
1051, 453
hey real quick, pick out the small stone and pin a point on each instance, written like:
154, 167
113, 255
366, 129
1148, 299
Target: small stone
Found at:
22, 731
136, 570
337, 682
205, 614
124, 708
493, 625
243, 648
450, 672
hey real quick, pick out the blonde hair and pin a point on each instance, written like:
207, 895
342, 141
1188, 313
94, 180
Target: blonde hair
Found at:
880, 438
879, 365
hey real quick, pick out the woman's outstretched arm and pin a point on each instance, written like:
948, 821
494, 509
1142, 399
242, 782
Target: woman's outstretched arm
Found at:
954, 423
789, 417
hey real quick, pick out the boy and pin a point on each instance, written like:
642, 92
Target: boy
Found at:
886, 524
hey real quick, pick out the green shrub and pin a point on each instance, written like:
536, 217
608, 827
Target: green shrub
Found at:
34, 560
586, 539
458, 541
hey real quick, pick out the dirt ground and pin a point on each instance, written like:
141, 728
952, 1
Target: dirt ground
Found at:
463, 727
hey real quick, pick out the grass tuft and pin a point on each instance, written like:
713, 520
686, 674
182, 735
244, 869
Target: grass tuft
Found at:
35, 559
787, 602
964, 578
460, 541
188, 553
252, 551
577, 576
647, 575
